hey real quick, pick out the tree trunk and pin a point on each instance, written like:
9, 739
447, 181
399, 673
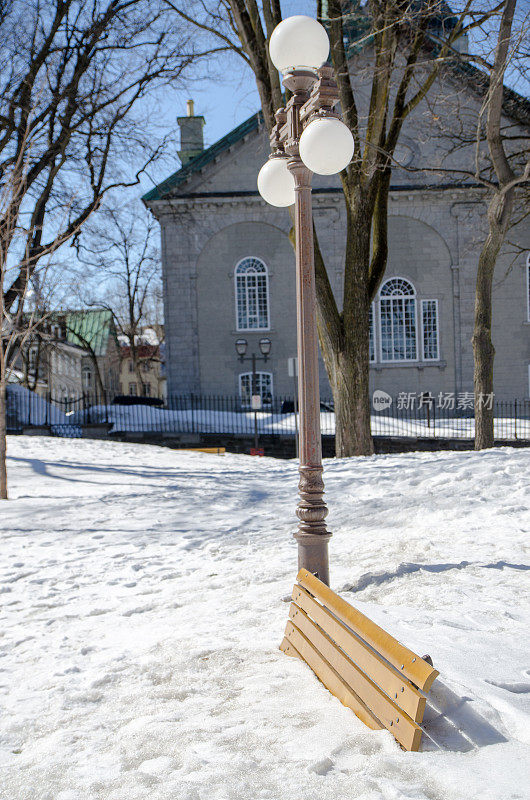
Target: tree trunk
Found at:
352, 403
353, 437
139, 379
483, 350
99, 381
3, 442
345, 346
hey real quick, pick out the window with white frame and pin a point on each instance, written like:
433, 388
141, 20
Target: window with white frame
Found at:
371, 324
397, 319
87, 378
429, 325
263, 387
252, 295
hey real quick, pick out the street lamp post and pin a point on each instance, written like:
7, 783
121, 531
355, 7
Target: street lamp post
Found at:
308, 137
265, 345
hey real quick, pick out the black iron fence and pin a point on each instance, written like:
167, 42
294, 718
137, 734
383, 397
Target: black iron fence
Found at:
214, 414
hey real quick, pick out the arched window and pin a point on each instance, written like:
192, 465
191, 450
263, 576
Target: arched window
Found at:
397, 309
263, 387
252, 295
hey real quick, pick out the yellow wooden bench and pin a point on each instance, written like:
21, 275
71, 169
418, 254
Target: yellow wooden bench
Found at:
219, 451
369, 671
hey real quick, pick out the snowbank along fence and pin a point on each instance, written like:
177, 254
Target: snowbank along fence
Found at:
215, 414
384, 683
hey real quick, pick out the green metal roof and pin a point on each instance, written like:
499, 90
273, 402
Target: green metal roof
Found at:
92, 327
206, 157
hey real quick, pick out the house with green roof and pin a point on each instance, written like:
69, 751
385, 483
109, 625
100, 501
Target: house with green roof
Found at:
71, 353
94, 330
228, 263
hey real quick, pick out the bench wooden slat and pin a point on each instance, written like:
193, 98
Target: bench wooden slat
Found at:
384, 709
398, 688
289, 649
329, 676
404, 660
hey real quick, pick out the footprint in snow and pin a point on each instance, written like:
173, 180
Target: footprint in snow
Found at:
321, 767
138, 610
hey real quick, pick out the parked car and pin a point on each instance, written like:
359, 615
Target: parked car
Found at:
288, 407
135, 400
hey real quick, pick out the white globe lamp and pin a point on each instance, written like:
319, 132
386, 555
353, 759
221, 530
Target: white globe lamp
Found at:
326, 146
275, 182
298, 42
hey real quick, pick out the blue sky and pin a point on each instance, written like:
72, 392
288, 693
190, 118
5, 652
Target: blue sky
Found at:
224, 92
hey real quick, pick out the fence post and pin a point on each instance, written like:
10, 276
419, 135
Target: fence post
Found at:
192, 414
515, 420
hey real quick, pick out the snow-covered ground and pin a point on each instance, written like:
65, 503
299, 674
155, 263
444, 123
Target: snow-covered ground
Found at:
141, 603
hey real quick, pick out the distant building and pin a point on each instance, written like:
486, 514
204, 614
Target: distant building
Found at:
52, 367
70, 354
95, 331
151, 382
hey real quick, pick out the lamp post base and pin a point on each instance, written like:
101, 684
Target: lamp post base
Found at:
312, 535
313, 554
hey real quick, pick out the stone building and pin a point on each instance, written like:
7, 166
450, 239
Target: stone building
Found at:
228, 265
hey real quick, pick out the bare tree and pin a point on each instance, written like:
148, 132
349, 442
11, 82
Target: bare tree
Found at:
511, 167
74, 78
120, 249
8, 339
490, 141
74, 124
405, 46
17, 325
